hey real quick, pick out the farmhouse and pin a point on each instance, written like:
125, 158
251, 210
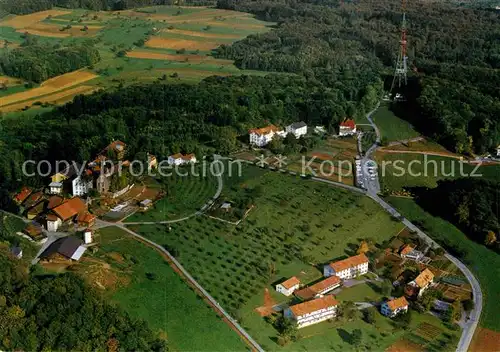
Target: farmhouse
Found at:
347, 128
54, 201
287, 287
312, 312
420, 284
262, 136
298, 129
319, 289
394, 307
66, 248
85, 219
65, 212
347, 268
180, 159
22, 196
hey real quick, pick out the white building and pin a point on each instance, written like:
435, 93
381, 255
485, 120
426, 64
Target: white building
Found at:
319, 129
498, 150
53, 223
87, 236
299, 129
347, 128
347, 268
55, 187
287, 287
312, 312
409, 252
262, 136
394, 307
180, 159
81, 186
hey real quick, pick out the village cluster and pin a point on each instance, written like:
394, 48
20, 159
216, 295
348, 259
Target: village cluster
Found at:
260, 137
64, 203
318, 303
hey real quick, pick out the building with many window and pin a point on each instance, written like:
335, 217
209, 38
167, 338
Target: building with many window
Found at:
312, 312
262, 136
347, 268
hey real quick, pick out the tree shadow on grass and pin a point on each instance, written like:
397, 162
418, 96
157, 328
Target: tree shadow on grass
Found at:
345, 336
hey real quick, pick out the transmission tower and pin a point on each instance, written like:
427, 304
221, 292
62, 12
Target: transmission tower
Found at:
400, 77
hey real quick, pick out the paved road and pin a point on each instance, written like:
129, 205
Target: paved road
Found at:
255, 346
373, 189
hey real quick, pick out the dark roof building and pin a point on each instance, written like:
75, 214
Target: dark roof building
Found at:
69, 247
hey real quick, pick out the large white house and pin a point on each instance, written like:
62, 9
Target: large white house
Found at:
81, 186
319, 289
262, 136
180, 159
394, 307
312, 312
347, 128
287, 287
298, 129
347, 268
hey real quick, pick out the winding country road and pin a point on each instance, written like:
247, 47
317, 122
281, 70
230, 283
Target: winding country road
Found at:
471, 325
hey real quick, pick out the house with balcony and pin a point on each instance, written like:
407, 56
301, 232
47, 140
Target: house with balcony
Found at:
312, 312
393, 307
348, 268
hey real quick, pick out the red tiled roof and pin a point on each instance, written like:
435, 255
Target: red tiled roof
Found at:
85, 217
397, 303
33, 199
21, 196
70, 208
406, 249
33, 230
424, 278
288, 284
349, 262
264, 130
348, 123
54, 201
52, 217
314, 305
187, 157
318, 288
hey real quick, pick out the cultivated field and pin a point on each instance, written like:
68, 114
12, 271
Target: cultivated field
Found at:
150, 289
153, 42
56, 90
295, 224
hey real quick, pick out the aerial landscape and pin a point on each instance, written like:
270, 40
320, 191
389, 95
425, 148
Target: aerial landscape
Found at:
249, 175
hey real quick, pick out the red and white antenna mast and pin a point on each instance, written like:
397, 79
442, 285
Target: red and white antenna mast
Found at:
400, 74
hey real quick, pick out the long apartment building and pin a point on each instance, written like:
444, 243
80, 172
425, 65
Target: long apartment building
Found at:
347, 268
319, 289
312, 312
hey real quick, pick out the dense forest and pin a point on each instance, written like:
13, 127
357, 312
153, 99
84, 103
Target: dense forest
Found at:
163, 119
22, 7
60, 313
448, 47
37, 63
472, 204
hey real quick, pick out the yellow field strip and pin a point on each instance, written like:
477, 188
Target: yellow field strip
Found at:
18, 22
48, 87
178, 58
177, 44
59, 97
202, 34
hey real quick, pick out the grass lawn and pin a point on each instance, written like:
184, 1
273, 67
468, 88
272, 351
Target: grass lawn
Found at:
184, 196
295, 225
392, 127
166, 302
483, 262
415, 173
366, 292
